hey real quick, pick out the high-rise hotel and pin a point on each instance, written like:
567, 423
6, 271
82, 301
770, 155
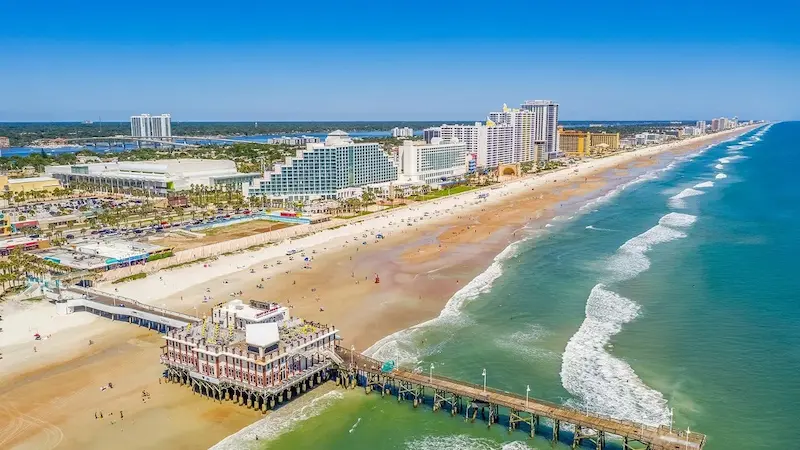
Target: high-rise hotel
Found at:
324, 168
145, 125
545, 123
528, 133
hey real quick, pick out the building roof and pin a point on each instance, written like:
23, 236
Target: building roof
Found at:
17, 241
30, 180
262, 334
338, 137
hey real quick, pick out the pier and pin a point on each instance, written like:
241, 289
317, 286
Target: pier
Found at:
114, 307
460, 397
210, 359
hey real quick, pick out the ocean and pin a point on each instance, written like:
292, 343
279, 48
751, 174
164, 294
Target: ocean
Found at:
673, 295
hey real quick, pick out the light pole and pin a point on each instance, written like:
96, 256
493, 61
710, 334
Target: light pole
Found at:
352, 352
527, 393
484, 381
670, 421
431, 374
688, 433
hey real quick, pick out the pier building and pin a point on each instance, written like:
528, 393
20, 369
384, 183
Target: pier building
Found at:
256, 354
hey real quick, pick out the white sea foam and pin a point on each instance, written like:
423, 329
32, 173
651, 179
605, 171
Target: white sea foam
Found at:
463, 441
280, 421
721, 176
525, 343
678, 200
548, 225
730, 159
736, 147
631, 258
677, 220
704, 184
401, 346
603, 383
719, 167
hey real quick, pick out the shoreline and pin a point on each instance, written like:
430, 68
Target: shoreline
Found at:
422, 267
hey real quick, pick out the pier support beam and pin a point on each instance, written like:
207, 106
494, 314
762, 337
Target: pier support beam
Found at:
556, 428
516, 417
442, 397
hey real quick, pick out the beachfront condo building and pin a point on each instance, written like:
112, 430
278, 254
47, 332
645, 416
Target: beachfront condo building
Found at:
433, 163
723, 123
429, 133
578, 144
148, 126
529, 145
607, 141
404, 132
324, 168
545, 123
701, 125
493, 144
255, 349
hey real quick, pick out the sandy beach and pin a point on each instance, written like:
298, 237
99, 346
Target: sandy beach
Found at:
429, 251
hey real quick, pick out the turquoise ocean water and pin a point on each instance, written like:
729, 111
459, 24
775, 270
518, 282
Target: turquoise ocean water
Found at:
679, 290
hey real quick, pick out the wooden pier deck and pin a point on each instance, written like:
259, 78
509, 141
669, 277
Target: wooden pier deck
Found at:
587, 426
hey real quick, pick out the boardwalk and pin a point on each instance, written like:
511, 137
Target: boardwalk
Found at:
588, 426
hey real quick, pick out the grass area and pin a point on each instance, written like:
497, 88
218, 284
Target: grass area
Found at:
136, 276
152, 258
444, 192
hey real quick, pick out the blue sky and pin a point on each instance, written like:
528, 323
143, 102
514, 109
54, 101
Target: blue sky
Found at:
267, 60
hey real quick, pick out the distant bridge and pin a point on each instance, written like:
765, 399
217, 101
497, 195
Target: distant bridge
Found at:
177, 141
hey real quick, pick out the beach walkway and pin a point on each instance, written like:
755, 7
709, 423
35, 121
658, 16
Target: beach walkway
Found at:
462, 397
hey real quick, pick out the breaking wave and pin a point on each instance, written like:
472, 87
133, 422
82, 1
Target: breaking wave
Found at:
719, 167
677, 220
631, 258
603, 383
678, 200
721, 176
606, 384
704, 184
